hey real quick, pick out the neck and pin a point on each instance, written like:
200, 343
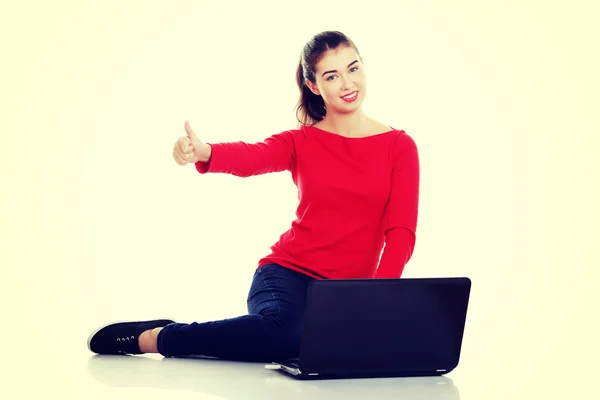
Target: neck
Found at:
346, 124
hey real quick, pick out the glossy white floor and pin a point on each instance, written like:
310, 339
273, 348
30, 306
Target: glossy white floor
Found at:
45, 356
210, 379
99, 224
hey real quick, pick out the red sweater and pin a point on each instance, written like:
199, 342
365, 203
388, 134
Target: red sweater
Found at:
355, 196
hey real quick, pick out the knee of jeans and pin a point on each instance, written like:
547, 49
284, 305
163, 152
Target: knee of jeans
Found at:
284, 329
284, 325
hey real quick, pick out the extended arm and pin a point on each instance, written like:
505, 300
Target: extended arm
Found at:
242, 159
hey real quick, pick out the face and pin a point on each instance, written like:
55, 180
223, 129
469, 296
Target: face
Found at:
340, 73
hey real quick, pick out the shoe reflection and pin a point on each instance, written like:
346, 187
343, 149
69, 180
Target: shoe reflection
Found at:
238, 380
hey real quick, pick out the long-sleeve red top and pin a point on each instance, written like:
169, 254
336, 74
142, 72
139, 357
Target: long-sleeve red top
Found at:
358, 199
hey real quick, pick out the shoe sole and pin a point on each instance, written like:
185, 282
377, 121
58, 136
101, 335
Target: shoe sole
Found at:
89, 341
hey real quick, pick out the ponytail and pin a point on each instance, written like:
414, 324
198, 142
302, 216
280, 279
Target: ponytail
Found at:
310, 108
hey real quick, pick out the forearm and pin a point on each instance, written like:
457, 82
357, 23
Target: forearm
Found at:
399, 247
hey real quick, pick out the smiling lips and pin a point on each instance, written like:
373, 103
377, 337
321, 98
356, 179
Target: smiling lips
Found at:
350, 97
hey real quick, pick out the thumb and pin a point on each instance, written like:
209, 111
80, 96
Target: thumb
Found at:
190, 132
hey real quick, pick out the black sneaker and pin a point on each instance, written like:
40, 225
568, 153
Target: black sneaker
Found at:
122, 337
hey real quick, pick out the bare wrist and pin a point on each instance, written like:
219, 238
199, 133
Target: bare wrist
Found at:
207, 154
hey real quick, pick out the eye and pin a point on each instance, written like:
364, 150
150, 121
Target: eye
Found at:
333, 76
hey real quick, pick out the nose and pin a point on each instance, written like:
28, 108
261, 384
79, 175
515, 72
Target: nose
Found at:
346, 82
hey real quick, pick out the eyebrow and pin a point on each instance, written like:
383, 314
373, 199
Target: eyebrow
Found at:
335, 70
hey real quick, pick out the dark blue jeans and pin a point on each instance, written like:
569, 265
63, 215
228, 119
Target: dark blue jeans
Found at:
270, 331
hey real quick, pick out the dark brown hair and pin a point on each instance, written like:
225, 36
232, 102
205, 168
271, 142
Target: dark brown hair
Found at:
310, 108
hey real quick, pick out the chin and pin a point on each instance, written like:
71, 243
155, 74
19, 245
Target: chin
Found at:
351, 107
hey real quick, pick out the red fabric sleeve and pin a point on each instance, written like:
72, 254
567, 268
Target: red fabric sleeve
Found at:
242, 159
402, 211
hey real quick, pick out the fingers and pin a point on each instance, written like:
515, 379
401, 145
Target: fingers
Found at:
184, 144
178, 159
182, 157
178, 152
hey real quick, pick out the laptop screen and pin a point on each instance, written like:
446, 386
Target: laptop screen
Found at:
384, 325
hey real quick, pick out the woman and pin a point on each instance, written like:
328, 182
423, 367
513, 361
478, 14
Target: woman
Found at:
358, 183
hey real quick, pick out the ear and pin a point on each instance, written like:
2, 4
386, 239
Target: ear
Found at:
313, 88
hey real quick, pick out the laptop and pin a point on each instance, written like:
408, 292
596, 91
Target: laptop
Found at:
370, 328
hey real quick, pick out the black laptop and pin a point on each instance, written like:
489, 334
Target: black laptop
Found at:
370, 328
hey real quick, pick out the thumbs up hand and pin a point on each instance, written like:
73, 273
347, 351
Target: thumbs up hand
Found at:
190, 149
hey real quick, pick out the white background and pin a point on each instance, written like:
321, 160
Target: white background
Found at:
99, 223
